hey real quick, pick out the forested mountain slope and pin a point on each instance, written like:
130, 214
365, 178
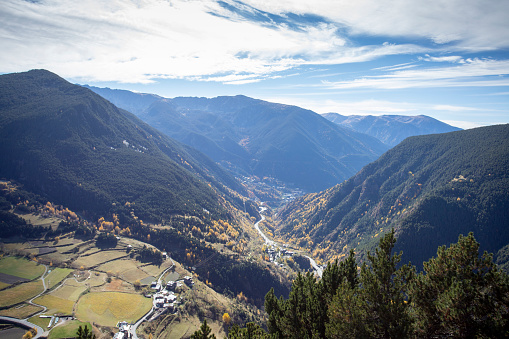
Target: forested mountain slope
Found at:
429, 188
391, 129
255, 137
74, 147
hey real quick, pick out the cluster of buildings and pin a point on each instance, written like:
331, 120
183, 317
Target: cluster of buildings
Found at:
165, 298
124, 330
276, 252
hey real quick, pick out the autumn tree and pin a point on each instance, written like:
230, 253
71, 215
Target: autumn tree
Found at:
226, 319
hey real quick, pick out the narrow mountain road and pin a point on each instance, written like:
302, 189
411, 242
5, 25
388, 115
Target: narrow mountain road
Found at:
318, 269
24, 322
134, 327
257, 226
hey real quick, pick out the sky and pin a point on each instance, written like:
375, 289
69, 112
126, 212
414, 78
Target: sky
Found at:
448, 59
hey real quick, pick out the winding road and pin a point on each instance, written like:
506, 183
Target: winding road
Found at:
318, 269
134, 327
24, 322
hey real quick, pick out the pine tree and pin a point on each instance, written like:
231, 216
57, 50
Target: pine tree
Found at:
385, 292
204, 332
461, 294
84, 333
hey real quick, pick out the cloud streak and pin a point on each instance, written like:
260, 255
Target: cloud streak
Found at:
469, 73
142, 41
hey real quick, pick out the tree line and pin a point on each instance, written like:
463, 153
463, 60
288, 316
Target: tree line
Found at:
460, 293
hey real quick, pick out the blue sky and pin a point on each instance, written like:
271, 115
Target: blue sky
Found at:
448, 59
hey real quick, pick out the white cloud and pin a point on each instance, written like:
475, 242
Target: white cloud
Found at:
143, 40
471, 24
452, 108
466, 124
450, 58
138, 41
364, 107
474, 72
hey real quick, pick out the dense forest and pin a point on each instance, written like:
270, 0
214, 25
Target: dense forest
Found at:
460, 293
256, 137
429, 188
70, 145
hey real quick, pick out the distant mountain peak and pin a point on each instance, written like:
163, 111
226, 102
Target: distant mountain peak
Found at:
391, 129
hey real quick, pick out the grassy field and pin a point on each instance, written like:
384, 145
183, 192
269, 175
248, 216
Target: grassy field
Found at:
107, 308
43, 322
3, 285
68, 329
70, 290
21, 312
98, 258
56, 276
55, 305
127, 269
21, 267
154, 270
96, 279
38, 220
19, 293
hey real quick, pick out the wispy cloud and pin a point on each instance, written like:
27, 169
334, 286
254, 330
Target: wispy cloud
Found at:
449, 58
472, 73
452, 108
141, 41
472, 24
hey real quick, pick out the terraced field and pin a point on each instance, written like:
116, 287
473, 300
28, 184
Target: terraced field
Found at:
98, 258
20, 293
21, 267
107, 308
55, 304
56, 276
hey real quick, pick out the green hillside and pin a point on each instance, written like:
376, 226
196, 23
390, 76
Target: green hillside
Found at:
429, 188
256, 137
75, 148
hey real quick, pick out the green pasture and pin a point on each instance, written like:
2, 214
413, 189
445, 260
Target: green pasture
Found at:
155, 270
56, 276
20, 311
3, 285
127, 269
55, 305
21, 267
107, 308
98, 258
19, 293
43, 322
96, 279
68, 329
69, 292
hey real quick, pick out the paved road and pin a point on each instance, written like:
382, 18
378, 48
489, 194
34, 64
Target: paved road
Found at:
149, 313
257, 226
31, 301
318, 269
24, 323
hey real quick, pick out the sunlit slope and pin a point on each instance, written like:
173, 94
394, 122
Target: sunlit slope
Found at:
429, 188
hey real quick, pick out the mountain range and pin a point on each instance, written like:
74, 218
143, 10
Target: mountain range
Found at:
391, 129
255, 137
72, 146
428, 188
